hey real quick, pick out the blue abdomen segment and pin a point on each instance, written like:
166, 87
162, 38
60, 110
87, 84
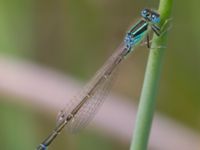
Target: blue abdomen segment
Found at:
42, 147
131, 41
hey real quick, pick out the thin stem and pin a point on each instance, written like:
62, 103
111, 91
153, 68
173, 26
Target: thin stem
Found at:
150, 85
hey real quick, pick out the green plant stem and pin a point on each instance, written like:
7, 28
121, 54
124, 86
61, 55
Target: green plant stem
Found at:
150, 85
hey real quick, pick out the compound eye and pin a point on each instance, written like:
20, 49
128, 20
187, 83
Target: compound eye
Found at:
144, 11
153, 16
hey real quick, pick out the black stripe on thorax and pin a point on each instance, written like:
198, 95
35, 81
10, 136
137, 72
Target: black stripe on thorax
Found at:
139, 28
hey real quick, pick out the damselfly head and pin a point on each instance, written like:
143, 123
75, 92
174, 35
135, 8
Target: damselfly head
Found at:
150, 15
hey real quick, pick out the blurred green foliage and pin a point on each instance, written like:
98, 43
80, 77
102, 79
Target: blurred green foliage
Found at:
16, 27
76, 37
17, 129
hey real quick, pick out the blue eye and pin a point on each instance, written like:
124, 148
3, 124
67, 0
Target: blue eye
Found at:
155, 19
143, 13
150, 15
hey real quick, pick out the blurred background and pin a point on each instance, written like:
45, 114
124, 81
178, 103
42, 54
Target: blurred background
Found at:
49, 49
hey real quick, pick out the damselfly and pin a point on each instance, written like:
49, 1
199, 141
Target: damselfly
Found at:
82, 108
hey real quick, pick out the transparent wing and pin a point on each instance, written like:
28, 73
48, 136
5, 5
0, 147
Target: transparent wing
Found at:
91, 106
93, 103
